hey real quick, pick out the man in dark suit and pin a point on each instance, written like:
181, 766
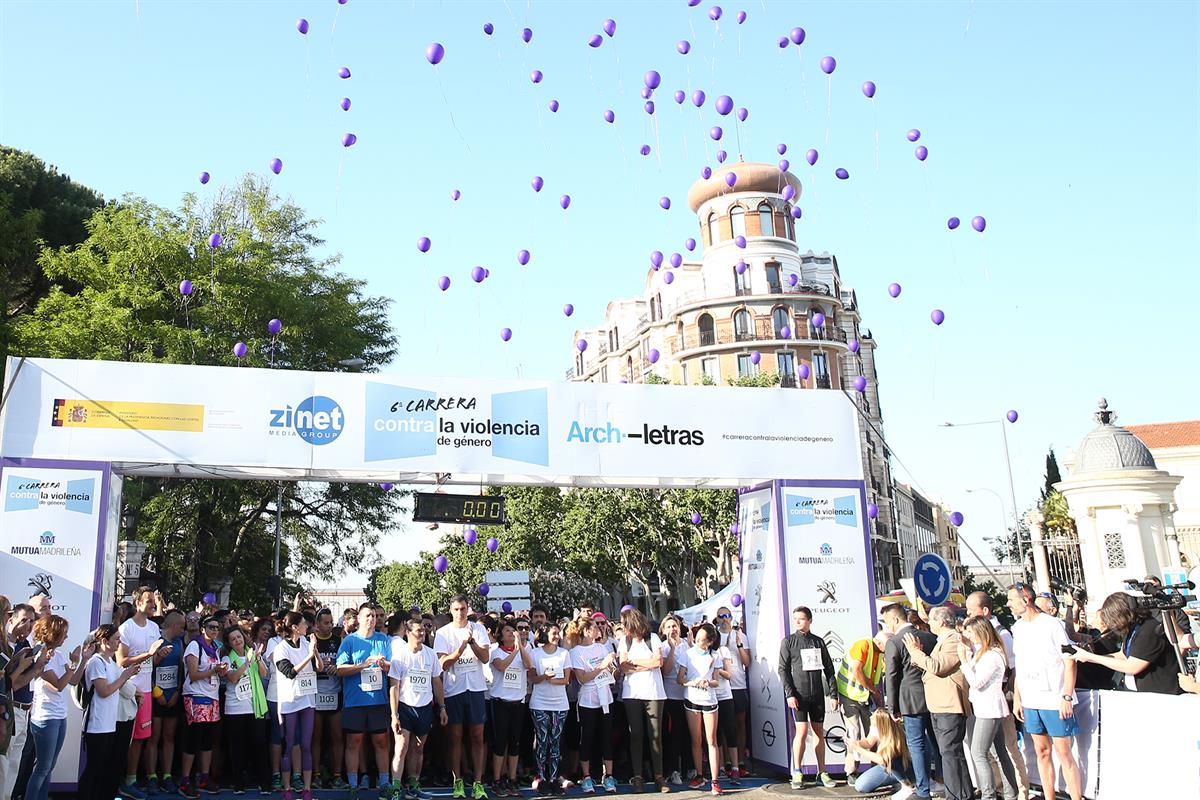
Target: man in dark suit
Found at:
906, 695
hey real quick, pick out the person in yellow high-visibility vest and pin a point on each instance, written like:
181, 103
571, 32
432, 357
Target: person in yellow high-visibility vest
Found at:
858, 679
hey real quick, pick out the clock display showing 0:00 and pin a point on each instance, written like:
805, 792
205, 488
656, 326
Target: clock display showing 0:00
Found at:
483, 510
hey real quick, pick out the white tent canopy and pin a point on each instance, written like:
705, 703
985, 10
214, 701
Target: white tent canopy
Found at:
707, 610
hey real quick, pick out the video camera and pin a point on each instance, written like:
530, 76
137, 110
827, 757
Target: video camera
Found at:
1077, 593
1157, 598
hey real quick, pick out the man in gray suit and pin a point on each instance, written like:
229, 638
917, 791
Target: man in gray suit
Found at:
906, 695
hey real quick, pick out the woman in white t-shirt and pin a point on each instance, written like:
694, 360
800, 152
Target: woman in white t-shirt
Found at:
594, 665
510, 663
102, 775
677, 754
48, 714
698, 667
245, 719
201, 708
639, 651
294, 659
984, 672
550, 674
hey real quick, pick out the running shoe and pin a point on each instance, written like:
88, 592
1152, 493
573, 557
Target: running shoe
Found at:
735, 777
414, 789
676, 779
168, 785
903, 793
696, 783
588, 785
131, 792
536, 785
716, 788
478, 792
208, 786
610, 784
661, 785
152, 785
566, 783
277, 782
637, 783
460, 789
826, 780
797, 780
297, 783
338, 783
187, 790
237, 790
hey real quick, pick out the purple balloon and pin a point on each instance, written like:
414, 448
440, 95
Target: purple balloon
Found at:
276, 166
978, 223
537, 183
526, 35
872, 510
721, 155
656, 258
818, 320
693, 3
647, 92
343, 72
653, 356
781, 148
1012, 415
785, 332
455, 194
505, 334
470, 536
854, 345
349, 139
913, 135
683, 46
484, 589
649, 107
522, 257
706, 172
669, 278
742, 113
568, 309
724, 104
755, 357
741, 267
185, 288
922, 152
714, 13
596, 40
387, 487
345, 104
581, 345
680, 96
828, 65
868, 88
789, 192
274, 327
565, 201
811, 157
696, 518
731, 178
956, 518
804, 371
478, 274
860, 384
302, 25
493, 544
793, 279
938, 316
689, 243
441, 564
536, 76
698, 98
736, 600
716, 133
239, 352
783, 42
609, 116
214, 241
553, 106
645, 150
740, 241
488, 28
434, 53
841, 174
626, 607
652, 79
796, 212
796, 35
443, 283
506, 607
741, 17
952, 223
209, 598
204, 177
676, 259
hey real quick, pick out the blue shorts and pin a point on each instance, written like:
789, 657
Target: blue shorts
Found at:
366, 719
1048, 723
466, 708
418, 720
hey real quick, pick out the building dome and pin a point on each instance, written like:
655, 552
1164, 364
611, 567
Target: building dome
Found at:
751, 177
1110, 447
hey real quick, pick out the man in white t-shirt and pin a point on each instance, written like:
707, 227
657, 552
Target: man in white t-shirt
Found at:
462, 648
415, 696
1044, 696
141, 646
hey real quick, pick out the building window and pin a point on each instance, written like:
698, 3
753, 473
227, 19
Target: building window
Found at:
714, 228
711, 368
813, 331
741, 281
707, 333
614, 340
766, 219
743, 325
604, 374
788, 225
629, 368
1114, 550
683, 370
820, 368
779, 319
745, 365
737, 222
682, 341
786, 363
579, 364
658, 302
774, 285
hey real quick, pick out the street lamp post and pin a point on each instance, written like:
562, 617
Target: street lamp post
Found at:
1012, 494
1011, 566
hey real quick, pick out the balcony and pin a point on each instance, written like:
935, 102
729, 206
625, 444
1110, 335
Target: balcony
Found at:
826, 334
744, 336
708, 338
724, 333
743, 291
787, 381
823, 382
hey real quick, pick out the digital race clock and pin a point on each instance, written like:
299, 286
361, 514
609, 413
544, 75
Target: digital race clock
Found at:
459, 508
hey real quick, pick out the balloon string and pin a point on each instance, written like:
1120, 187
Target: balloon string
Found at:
438, 75
803, 80
875, 115
828, 107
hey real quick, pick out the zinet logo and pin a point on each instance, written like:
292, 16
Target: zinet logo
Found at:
317, 420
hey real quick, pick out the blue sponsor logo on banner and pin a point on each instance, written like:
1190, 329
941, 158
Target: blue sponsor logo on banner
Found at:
26, 494
401, 422
845, 510
317, 420
802, 510
799, 509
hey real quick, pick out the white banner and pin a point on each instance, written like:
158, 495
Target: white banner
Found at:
827, 559
240, 422
764, 616
52, 542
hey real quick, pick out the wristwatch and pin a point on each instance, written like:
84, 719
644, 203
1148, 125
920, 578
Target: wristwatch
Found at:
1068, 697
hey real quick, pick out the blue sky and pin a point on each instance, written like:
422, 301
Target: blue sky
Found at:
1072, 128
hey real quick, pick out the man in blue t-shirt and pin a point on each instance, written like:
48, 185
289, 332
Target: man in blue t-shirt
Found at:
166, 707
363, 661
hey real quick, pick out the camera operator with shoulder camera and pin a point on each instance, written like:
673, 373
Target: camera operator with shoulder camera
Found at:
1146, 657
1152, 585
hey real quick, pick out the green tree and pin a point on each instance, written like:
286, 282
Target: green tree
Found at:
39, 207
116, 296
1052, 476
756, 379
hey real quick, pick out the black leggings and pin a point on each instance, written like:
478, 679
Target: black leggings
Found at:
677, 739
198, 737
595, 735
726, 723
247, 738
508, 718
102, 775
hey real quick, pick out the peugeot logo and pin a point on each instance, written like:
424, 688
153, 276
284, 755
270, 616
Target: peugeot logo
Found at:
828, 590
768, 733
41, 583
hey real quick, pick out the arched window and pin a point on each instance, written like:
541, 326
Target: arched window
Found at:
682, 344
788, 226
629, 368
707, 334
737, 222
743, 325
813, 331
766, 219
714, 228
779, 318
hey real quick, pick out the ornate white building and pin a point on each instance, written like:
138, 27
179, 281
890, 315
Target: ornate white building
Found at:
752, 296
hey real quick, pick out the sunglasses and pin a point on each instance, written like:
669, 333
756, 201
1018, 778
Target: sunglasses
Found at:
724, 616
522, 627
212, 627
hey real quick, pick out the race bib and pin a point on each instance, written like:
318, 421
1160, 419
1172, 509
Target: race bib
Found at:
306, 684
810, 659
604, 678
370, 679
420, 682
168, 677
512, 677
1035, 680
243, 690
327, 701
214, 680
146, 667
467, 663
556, 665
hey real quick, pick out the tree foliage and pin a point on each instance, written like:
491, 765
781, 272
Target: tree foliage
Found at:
116, 296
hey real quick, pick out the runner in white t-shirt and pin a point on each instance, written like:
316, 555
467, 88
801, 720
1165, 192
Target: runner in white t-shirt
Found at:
510, 662
640, 655
295, 659
731, 694
105, 679
462, 647
243, 725
595, 666
698, 668
414, 693
550, 674
677, 751
142, 646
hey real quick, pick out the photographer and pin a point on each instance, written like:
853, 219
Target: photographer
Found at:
1146, 657
1183, 625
